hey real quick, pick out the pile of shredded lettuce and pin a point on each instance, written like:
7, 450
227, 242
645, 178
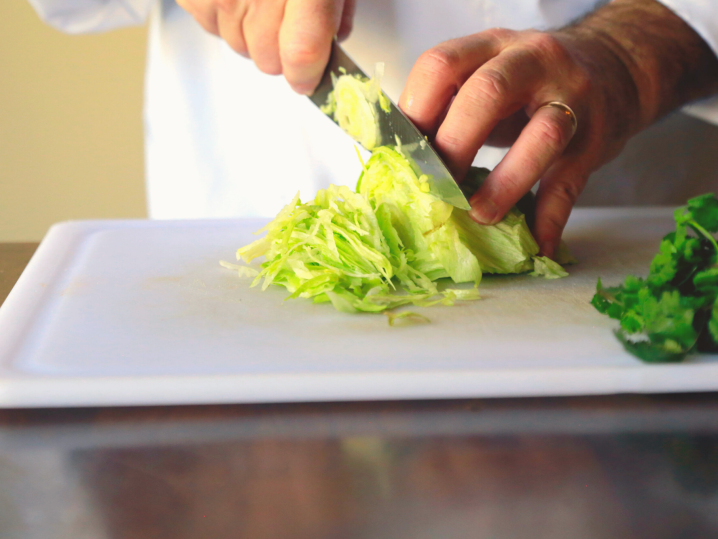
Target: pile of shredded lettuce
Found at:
388, 244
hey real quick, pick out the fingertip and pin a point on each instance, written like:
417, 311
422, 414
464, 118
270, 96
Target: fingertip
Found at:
344, 32
484, 211
267, 64
303, 89
557, 194
305, 40
548, 248
303, 64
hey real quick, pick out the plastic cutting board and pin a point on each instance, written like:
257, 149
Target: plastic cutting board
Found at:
140, 312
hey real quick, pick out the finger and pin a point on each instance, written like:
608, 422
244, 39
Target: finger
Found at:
230, 28
347, 23
501, 87
260, 27
439, 73
539, 145
305, 39
557, 193
205, 14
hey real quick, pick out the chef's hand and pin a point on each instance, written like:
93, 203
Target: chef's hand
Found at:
619, 70
289, 37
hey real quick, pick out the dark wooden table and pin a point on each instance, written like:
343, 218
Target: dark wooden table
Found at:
628, 466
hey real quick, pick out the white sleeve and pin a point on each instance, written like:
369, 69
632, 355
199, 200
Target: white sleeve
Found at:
83, 16
702, 16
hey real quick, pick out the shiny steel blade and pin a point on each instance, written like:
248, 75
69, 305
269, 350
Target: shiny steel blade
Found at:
397, 130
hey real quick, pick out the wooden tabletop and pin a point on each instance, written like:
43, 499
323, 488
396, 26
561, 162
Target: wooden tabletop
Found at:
628, 466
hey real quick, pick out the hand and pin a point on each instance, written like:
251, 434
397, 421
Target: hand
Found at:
499, 80
289, 37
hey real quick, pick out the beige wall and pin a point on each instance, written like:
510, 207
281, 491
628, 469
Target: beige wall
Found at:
70, 124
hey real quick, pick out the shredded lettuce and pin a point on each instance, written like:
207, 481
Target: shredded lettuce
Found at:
337, 248
242, 271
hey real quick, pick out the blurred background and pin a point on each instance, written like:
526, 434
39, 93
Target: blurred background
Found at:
70, 124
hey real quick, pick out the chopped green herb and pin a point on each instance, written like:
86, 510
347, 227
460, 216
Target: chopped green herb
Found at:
674, 310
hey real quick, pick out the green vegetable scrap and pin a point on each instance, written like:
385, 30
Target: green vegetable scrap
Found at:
388, 244
412, 317
545, 267
674, 310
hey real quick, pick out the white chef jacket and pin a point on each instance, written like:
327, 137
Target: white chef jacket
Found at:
224, 140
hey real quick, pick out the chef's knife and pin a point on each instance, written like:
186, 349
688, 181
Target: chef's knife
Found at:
395, 126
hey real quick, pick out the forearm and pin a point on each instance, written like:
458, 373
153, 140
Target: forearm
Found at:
669, 64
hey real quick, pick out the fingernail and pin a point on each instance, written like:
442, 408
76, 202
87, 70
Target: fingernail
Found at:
547, 249
485, 212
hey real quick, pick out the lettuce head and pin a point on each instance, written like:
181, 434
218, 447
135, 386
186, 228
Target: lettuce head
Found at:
388, 244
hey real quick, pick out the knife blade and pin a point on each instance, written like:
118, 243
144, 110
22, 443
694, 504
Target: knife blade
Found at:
396, 130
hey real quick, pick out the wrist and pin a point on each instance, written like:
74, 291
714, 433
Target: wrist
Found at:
667, 63
622, 102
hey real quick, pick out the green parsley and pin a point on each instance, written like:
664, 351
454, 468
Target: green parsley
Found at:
674, 310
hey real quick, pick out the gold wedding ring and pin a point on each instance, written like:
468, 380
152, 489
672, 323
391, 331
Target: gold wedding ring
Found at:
568, 111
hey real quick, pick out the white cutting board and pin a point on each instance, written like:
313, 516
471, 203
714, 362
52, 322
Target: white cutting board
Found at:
140, 312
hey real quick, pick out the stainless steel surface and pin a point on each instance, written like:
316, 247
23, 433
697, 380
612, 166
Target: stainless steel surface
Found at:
618, 467
594, 468
395, 126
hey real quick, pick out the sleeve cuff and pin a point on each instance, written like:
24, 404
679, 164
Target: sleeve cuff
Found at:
83, 16
702, 16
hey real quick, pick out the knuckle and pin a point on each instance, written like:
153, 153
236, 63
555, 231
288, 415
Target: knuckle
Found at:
499, 34
546, 46
488, 86
553, 224
451, 141
510, 183
583, 85
440, 61
302, 53
567, 191
552, 134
